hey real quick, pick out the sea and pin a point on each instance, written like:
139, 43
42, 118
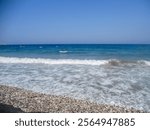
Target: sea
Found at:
115, 74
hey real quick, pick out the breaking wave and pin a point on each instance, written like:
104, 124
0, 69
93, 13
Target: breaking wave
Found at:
113, 62
63, 51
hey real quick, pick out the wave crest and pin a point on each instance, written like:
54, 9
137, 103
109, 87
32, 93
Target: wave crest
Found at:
63, 51
112, 62
51, 61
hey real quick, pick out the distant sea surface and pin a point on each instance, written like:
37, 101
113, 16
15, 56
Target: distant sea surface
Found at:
104, 73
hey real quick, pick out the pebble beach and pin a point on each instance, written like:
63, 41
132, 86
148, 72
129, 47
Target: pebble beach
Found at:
22, 100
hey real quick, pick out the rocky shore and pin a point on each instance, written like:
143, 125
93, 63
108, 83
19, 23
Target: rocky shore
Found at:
19, 100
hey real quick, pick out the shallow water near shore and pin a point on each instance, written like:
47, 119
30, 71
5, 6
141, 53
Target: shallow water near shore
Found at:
102, 74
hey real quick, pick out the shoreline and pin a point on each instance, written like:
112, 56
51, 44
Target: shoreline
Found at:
13, 98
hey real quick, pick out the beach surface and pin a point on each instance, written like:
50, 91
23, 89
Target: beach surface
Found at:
14, 99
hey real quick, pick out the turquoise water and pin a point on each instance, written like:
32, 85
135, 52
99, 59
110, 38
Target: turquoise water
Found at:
79, 51
111, 74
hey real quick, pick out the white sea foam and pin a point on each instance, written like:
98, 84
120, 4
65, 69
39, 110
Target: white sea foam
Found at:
126, 86
63, 51
144, 62
51, 61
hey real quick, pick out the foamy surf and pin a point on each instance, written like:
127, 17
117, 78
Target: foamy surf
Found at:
114, 82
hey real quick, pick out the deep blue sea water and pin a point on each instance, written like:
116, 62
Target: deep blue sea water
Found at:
105, 73
79, 51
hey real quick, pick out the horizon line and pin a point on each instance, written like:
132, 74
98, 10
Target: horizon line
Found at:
51, 43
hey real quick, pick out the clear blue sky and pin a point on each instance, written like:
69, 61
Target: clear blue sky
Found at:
74, 21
